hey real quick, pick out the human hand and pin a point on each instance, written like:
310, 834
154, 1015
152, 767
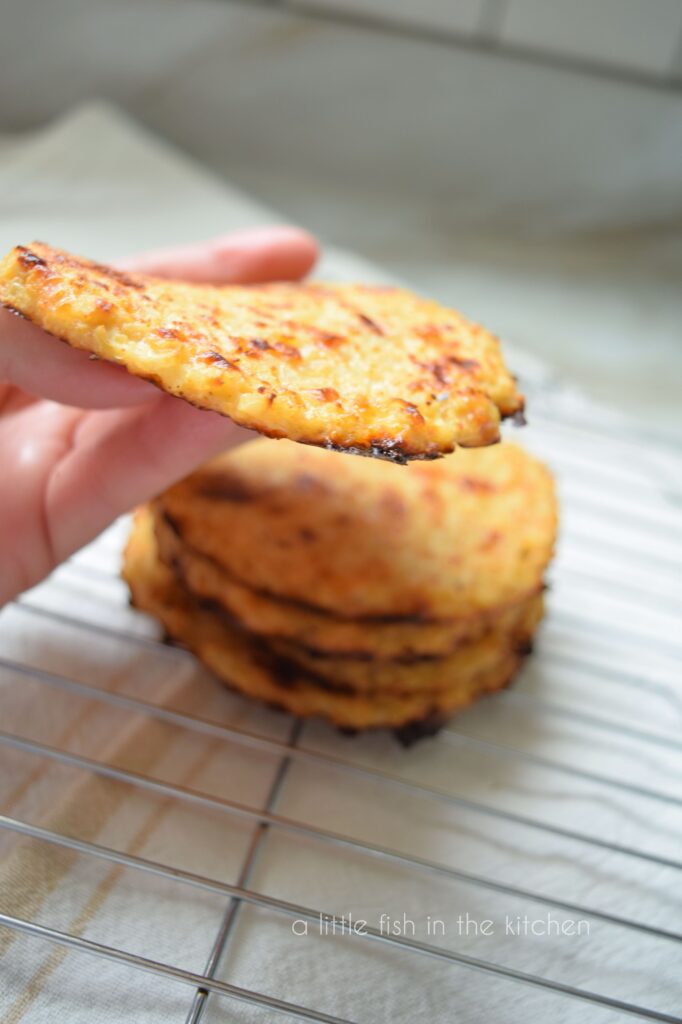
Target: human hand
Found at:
83, 441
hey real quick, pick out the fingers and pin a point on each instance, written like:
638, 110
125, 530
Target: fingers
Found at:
259, 254
73, 471
32, 441
43, 367
121, 458
46, 368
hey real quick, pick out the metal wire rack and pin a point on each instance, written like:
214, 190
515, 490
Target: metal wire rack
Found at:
597, 712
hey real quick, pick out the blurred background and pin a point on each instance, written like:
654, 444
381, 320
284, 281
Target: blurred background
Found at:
520, 159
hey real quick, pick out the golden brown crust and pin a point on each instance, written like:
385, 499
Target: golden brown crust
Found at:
434, 542
372, 370
315, 631
248, 665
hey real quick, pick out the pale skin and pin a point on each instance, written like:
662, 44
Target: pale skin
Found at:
81, 441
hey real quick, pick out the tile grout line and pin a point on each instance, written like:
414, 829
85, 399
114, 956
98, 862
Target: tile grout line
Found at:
474, 42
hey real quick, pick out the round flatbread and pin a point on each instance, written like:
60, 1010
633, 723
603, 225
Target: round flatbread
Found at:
249, 666
430, 542
373, 370
316, 631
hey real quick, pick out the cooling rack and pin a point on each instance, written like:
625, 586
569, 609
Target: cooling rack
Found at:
173, 852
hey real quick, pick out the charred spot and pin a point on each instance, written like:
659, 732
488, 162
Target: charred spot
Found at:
437, 369
104, 305
368, 322
30, 259
464, 364
272, 395
260, 344
390, 451
325, 394
168, 332
289, 674
106, 271
440, 368
262, 390
420, 729
221, 487
219, 360
387, 446
413, 411
14, 311
209, 604
439, 372
116, 275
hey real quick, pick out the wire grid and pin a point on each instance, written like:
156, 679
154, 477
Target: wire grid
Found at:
623, 537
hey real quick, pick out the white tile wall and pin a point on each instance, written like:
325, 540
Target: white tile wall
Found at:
638, 34
353, 120
59, 53
322, 119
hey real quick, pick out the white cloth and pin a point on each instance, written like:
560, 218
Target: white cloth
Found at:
99, 185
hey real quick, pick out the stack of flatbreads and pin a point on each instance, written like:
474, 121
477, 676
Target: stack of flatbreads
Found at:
370, 593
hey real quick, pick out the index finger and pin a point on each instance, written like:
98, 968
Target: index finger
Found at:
244, 257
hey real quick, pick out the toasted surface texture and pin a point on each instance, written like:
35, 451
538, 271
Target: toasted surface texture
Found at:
248, 665
317, 631
358, 539
370, 369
